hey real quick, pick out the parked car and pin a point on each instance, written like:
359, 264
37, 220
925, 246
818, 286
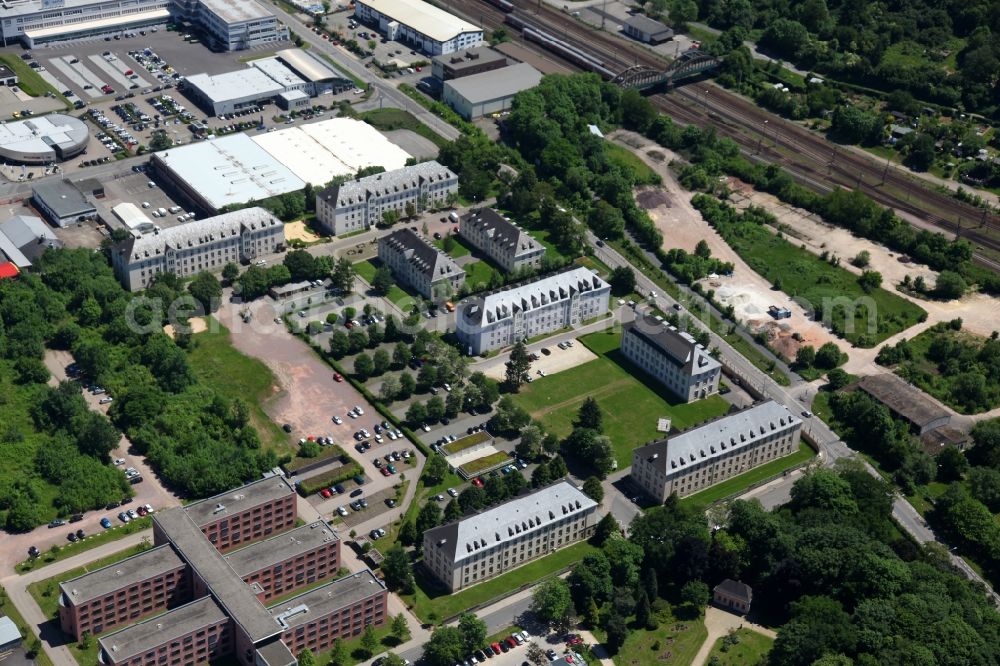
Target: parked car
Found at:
105, 523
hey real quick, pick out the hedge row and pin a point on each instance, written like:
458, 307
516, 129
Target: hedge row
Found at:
315, 484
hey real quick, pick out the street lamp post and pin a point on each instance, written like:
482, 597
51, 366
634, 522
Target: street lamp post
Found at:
760, 140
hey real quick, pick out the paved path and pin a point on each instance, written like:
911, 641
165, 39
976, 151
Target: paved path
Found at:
16, 587
719, 623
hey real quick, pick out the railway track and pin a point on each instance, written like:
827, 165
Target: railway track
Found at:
808, 157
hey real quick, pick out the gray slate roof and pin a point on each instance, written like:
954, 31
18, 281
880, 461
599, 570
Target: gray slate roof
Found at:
425, 257
500, 230
387, 182
735, 588
496, 84
530, 296
679, 347
193, 234
718, 437
466, 537
649, 26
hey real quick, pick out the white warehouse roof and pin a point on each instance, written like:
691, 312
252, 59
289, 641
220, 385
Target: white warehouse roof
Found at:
230, 170
425, 18
131, 215
236, 85
318, 152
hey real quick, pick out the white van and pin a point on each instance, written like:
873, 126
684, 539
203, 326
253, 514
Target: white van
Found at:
453, 216
162, 212
175, 209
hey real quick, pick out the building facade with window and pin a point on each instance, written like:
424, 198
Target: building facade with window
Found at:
491, 543
286, 562
501, 240
534, 308
214, 603
360, 204
715, 451
419, 265
202, 245
672, 357
123, 592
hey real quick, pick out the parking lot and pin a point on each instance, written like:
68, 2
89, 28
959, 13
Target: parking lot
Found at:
133, 187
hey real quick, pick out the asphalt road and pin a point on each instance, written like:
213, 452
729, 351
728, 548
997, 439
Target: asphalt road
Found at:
830, 447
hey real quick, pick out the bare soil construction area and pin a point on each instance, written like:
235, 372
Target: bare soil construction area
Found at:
669, 206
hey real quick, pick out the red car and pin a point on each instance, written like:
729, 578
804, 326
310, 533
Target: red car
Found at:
573, 639
511, 643
385, 471
326, 492
477, 482
337, 377
348, 324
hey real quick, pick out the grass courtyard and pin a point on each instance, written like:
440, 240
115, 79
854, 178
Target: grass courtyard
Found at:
742, 648
672, 642
630, 400
756, 475
366, 271
222, 367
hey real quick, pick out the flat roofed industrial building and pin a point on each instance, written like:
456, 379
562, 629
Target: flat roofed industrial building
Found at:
220, 172
466, 63
24, 238
43, 139
647, 30
319, 152
320, 76
61, 202
232, 91
153, 580
672, 357
489, 92
715, 451
234, 25
490, 543
195, 633
35, 22
202, 245
523, 311
422, 25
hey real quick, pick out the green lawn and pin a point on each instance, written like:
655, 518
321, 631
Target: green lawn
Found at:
551, 251
742, 648
389, 119
458, 249
366, 271
28, 79
479, 464
10, 610
478, 275
829, 290
434, 605
747, 479
673, 642
219, 365
46, 592
71, 549
355, 653
631, 401
626, 159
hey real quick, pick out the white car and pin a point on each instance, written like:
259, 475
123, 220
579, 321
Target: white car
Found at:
119, 461
425, 427
453, 492
338, 420
342, 511
358, 410
149, 508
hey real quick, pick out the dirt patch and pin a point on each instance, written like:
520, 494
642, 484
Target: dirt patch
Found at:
197, 325
653, 197
299, 231
557, 361
750, 295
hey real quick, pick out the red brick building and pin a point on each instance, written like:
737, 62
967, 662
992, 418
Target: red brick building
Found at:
246, 514
286, 562
341, 609
192, 634
123, 592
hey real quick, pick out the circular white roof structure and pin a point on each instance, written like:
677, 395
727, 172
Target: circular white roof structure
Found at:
41, 140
